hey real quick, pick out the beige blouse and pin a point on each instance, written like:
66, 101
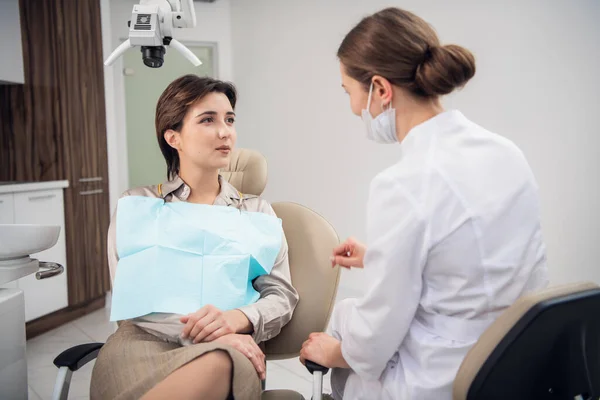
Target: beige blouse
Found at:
278, 298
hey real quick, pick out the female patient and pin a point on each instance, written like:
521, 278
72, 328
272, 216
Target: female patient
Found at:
209, 354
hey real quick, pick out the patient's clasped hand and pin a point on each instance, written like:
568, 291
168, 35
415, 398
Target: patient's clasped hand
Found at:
178, 257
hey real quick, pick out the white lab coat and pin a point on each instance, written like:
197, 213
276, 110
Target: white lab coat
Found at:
453, 238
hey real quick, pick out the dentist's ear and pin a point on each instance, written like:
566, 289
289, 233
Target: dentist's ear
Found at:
172, 139
382, 90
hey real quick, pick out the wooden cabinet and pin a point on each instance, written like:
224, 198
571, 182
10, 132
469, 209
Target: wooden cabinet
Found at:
87, 227
84, 149
54, 128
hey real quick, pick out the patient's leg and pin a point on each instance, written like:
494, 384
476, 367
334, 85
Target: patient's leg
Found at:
207, 377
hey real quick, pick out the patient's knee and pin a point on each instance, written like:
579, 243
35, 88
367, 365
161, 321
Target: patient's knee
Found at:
218, 362
210, 375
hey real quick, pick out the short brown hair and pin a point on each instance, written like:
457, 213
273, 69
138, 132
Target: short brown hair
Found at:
404, 49
173, 105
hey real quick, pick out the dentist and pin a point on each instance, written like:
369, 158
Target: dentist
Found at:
453, 228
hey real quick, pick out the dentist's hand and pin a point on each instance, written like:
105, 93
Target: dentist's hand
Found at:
324, 350
349, 254
209, 323
246, 345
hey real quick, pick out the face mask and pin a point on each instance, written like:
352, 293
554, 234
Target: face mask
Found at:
383, 128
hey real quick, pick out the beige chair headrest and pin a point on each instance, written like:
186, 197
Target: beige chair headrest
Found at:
247, 171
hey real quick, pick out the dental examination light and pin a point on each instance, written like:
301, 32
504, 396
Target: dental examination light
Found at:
151, 27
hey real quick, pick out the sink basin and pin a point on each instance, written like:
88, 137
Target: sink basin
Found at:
18, 241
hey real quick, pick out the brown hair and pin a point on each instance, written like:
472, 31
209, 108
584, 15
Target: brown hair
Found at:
173, 105
404, 49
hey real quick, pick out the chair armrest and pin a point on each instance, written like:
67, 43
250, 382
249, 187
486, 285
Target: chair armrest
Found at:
77, 356
314, 367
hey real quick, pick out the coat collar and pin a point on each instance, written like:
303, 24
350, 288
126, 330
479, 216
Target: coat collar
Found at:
178, 188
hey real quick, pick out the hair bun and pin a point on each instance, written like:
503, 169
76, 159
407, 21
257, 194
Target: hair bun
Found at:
443, 69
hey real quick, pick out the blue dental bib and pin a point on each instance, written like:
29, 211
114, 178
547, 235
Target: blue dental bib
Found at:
178, 257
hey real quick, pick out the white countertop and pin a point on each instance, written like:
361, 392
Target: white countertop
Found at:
9, 187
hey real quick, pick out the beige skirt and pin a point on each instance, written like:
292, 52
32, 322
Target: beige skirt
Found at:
133, 361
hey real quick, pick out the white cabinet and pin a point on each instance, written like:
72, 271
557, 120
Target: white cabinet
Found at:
43, 207
7, 216
12, 70
7, 210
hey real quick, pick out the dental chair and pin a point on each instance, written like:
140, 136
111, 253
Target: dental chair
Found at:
545, 346
310, 240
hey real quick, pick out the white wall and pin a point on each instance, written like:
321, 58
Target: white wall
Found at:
537, 83
12, 70
213, 25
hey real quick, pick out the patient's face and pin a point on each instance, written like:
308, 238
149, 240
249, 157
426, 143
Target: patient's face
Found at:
208, 134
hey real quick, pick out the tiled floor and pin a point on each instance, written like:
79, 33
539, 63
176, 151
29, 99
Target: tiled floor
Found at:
95, 327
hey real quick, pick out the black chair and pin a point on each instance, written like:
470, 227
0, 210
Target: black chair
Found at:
545, 346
